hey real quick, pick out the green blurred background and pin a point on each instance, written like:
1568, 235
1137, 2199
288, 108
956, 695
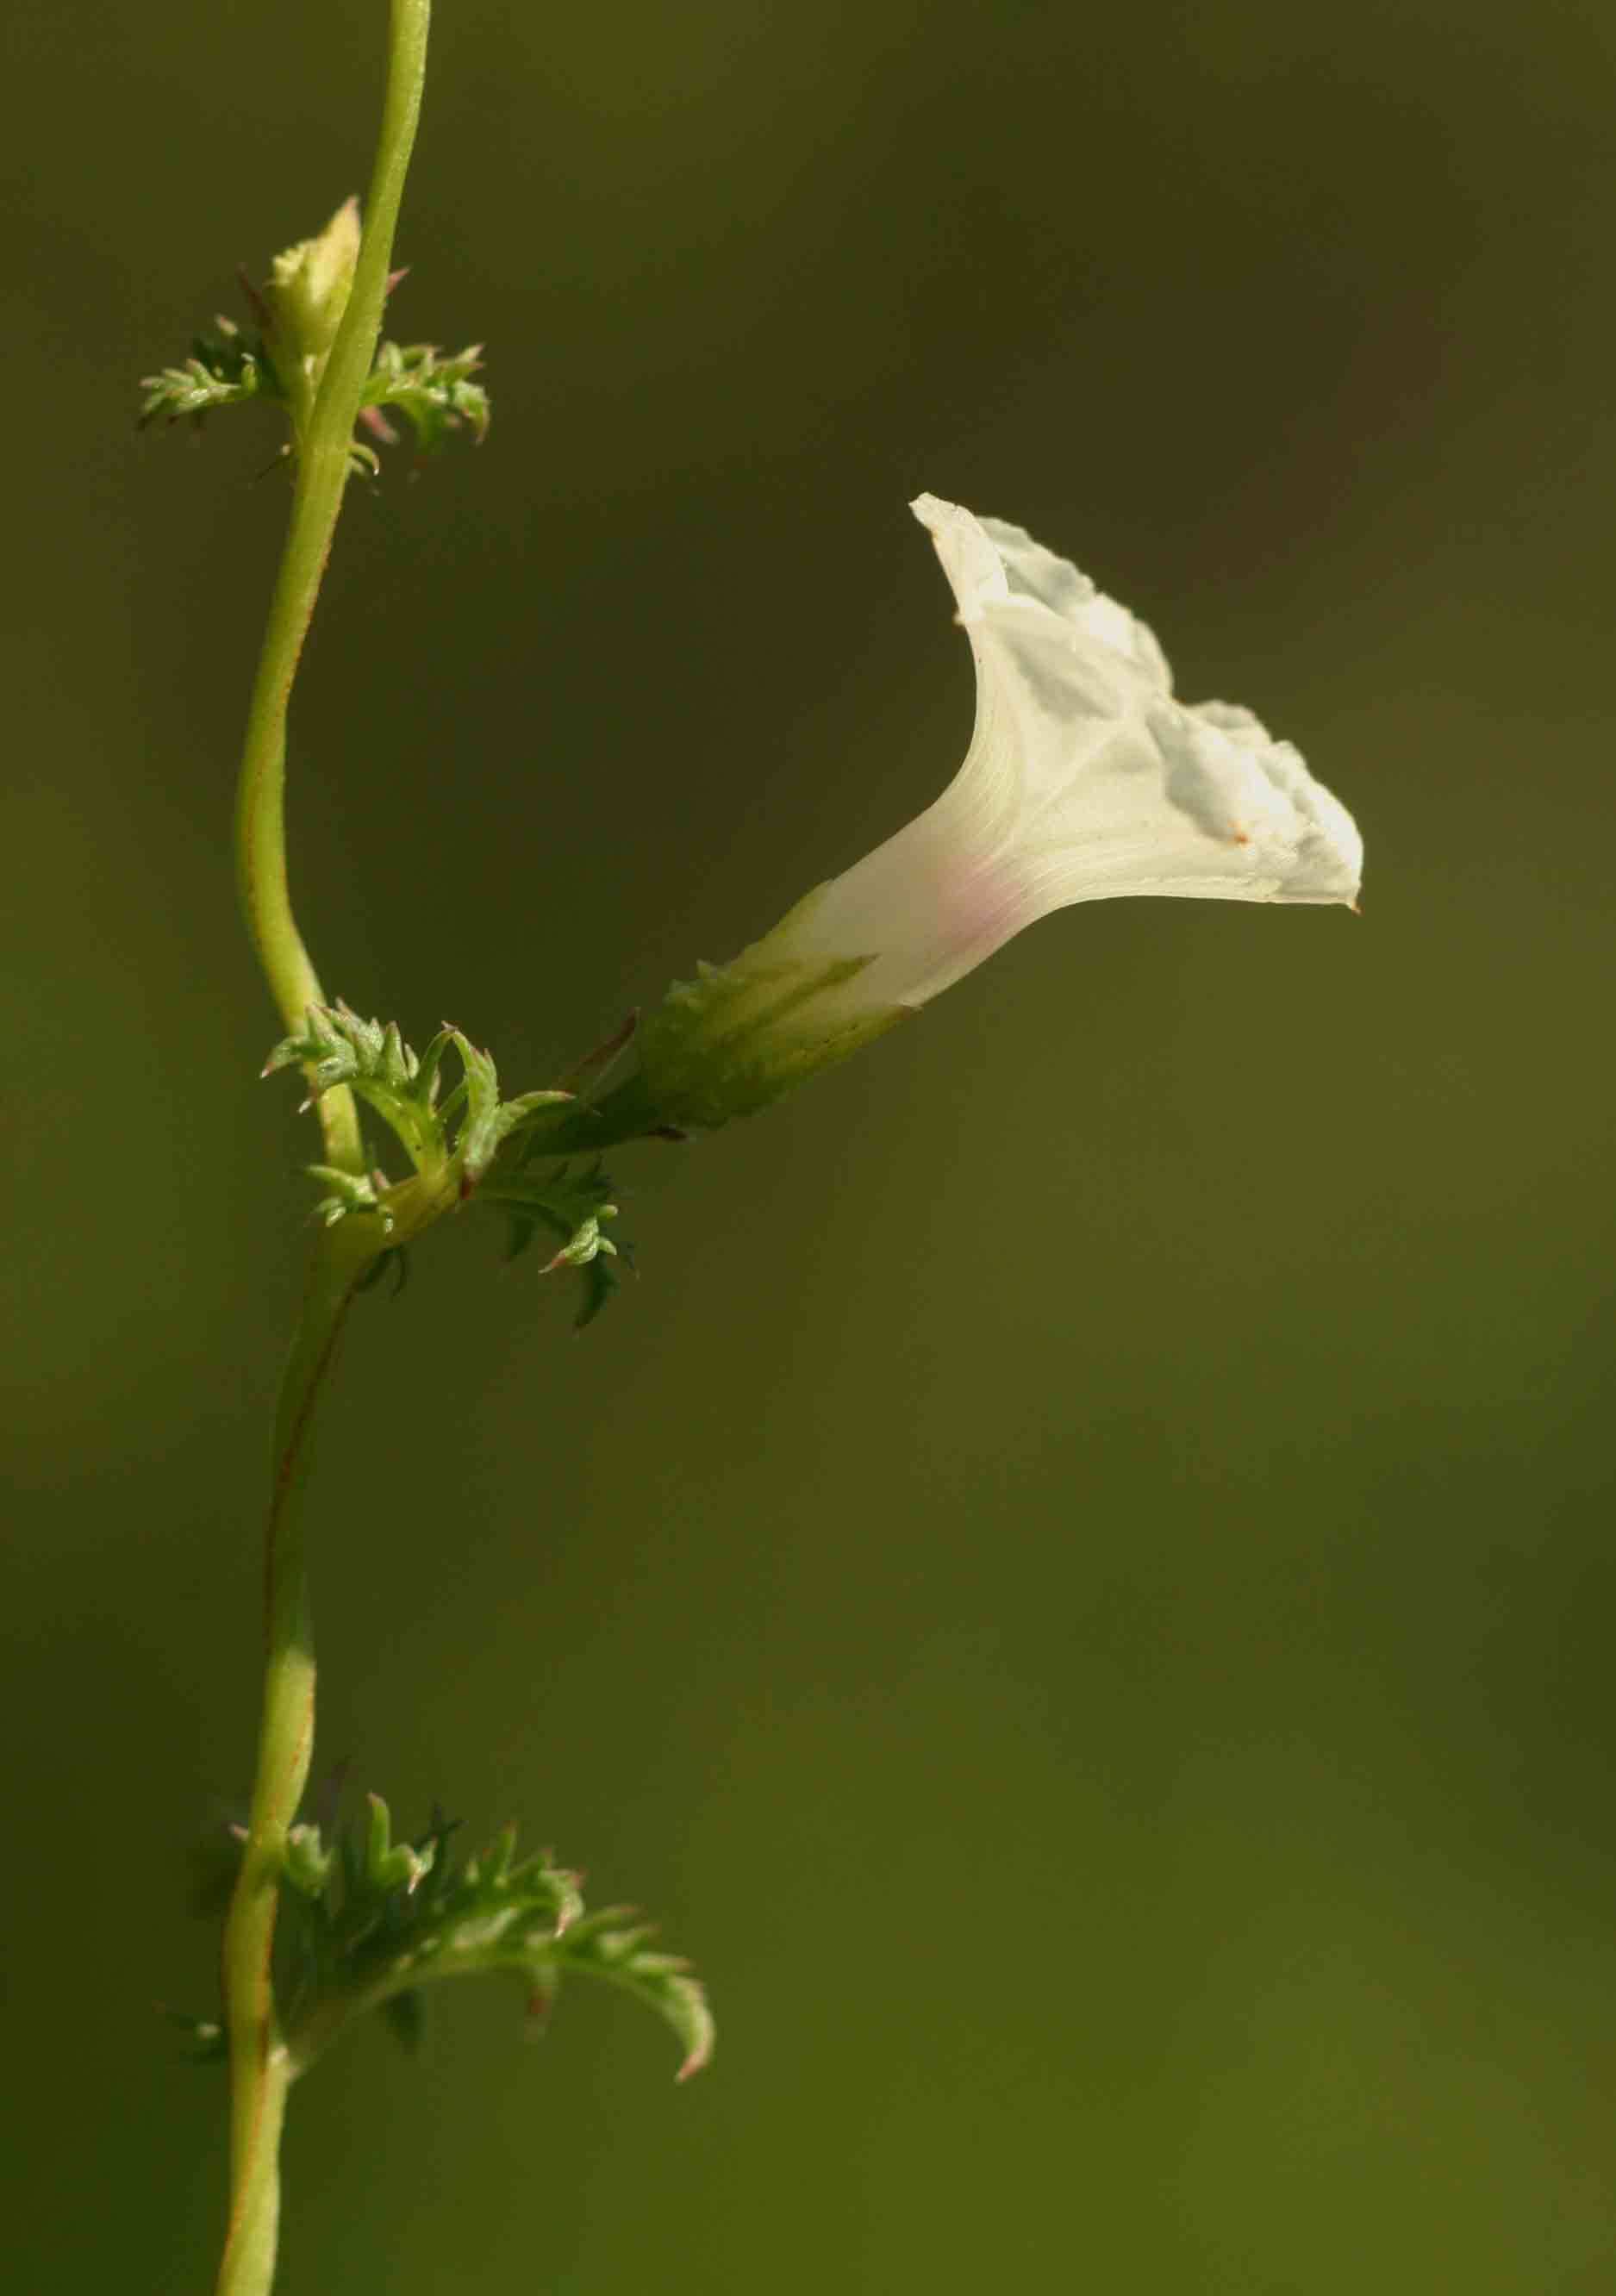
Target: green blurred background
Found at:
1079, 1583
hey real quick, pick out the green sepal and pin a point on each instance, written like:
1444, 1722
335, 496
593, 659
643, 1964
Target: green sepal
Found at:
736, 1038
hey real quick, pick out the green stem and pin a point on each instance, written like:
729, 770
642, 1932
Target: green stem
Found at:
323, 463
260, 2068
260, 2065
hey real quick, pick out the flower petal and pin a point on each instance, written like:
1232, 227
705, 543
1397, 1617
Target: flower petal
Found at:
1031, 571
1086, 779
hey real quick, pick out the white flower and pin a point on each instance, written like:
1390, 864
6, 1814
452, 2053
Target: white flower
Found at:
1084, 778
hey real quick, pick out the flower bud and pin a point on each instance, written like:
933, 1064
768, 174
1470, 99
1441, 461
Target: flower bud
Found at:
307, 291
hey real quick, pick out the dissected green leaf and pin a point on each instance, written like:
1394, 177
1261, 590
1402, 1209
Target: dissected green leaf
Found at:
616, 1945
336, 1046
566, 1206
464, 1142
225, 369
372, 1921
432, 389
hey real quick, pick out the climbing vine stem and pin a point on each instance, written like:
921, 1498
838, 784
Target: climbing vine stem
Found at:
261, 2067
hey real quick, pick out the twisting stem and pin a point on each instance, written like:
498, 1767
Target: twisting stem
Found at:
323, 462
260, 2068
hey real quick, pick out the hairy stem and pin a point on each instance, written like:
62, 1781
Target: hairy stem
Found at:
259, 2062
322, 467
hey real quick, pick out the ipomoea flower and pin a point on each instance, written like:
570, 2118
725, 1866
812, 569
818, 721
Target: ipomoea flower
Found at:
1085, 778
